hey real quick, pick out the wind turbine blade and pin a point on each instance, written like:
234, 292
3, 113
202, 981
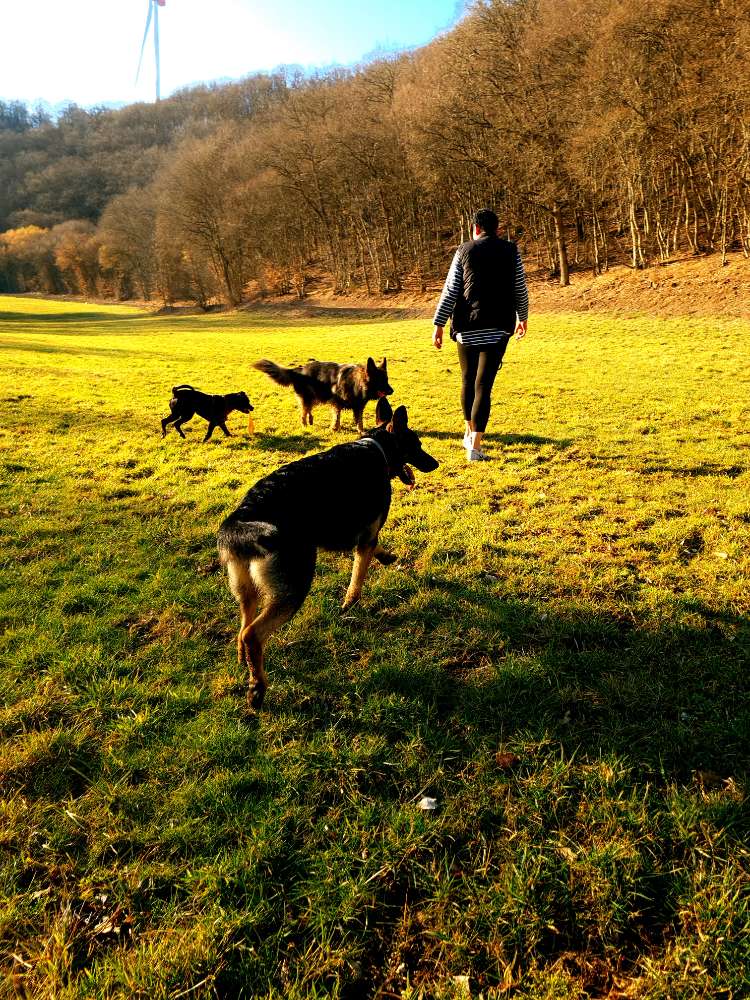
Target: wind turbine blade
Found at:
145, 36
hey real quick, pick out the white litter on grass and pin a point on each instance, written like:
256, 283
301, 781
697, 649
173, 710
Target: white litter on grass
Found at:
427, 804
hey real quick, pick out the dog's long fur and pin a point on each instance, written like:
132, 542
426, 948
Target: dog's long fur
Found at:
344, 387
336, 500
186, 401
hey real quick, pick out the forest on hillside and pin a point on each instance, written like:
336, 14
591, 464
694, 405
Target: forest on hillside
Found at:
601, 132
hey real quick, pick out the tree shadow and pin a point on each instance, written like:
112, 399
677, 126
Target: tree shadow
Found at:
501, 439
533, 439
293, 312
36, 348
704, 469
68, 318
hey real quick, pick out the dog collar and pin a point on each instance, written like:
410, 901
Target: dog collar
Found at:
408, 481
381, 449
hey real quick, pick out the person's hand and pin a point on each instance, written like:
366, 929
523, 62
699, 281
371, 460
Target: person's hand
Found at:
521, 329
437, 337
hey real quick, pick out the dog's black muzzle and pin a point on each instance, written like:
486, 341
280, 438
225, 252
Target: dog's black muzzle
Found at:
424, 462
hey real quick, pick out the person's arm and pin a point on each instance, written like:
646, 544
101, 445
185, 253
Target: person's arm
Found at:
522, 299
447, 301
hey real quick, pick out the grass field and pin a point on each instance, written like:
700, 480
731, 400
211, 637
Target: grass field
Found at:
560, 658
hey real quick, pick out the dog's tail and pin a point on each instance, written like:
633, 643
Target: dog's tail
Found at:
179, 388
282, 376
303, 385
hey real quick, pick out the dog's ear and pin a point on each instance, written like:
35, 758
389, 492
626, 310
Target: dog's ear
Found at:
372, 368
383, 412
400, 420
383, 365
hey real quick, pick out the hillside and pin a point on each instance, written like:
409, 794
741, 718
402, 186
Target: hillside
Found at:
700, 286
622, 142
694, 286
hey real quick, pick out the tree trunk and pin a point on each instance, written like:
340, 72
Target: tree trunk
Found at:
562, 250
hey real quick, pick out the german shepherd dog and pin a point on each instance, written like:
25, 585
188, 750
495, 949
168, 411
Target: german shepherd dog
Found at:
336, 500
187, 401
344, 387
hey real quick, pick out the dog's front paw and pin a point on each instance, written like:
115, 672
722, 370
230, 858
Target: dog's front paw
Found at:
350, 600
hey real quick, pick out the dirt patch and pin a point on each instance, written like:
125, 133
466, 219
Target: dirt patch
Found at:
694, 286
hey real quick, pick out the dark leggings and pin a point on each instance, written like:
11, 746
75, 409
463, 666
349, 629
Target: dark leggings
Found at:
479, 366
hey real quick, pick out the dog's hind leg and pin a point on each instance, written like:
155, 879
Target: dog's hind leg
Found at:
166, 422
283, 580
183, 419
362, 558
209, 432
226, 430
246, 594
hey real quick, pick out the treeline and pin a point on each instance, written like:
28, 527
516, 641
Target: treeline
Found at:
601, 132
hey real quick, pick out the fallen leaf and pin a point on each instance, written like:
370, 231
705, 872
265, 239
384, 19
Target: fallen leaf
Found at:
505, 761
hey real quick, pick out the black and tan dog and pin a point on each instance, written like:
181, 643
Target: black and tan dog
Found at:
336, 500
344, 387
187, 401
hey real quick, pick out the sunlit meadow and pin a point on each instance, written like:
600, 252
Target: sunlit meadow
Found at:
559, 658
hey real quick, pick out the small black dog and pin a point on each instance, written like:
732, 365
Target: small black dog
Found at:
187, 401
336, 500
344, 387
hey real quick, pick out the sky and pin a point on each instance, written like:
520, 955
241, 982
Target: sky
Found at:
86, 51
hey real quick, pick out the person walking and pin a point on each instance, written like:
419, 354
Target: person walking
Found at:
486, 298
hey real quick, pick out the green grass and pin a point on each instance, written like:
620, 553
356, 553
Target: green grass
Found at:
560, 658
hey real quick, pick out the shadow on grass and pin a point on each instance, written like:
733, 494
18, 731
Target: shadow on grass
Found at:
705, 469
670, 700
299, 444
533, 439
35, 348
576, 684
500, 439
293, 312
42, 319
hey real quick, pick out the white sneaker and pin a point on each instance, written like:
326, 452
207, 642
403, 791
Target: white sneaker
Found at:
476, 455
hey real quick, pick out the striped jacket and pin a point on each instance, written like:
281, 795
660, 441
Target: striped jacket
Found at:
453, 291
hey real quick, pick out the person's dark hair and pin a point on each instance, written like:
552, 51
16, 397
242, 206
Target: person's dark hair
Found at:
486, 219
